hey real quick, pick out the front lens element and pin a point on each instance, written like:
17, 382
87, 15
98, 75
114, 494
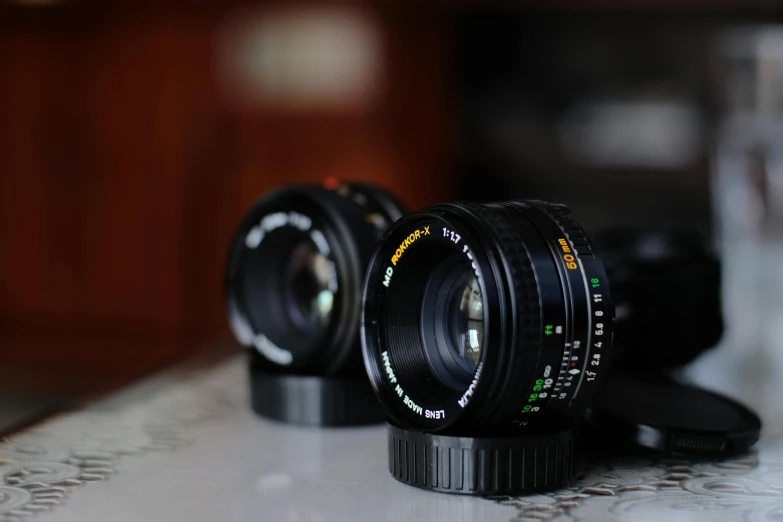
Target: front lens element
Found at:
308, 285
466, 322
450, 314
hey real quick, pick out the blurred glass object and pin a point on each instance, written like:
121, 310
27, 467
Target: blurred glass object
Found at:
647, 132
748, 201
295, 58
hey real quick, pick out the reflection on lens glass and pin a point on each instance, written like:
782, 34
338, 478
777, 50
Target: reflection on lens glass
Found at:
309, 284
468, 323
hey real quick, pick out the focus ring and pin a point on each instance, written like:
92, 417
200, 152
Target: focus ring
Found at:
481, 466
523, 354
576, 236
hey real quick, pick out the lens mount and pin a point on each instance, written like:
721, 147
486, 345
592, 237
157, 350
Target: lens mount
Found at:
483, 318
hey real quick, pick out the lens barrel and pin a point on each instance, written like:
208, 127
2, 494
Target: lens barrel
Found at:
293, 296
546, 318
486, 320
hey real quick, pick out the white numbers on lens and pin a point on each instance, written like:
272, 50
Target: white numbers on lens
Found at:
599, 328
597, 298
453, 236
596, 359
577, 345
542, 395
599, 313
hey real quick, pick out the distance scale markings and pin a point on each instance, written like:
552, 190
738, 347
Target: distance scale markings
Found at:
556, 316
568, 368
572, 347
572, 368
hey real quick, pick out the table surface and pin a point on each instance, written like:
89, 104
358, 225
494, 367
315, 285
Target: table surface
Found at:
183, 445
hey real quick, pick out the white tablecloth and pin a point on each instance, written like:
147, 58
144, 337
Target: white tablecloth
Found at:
184, 446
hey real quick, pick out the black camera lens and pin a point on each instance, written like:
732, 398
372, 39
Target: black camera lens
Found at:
486, 319
662, 277
293, 293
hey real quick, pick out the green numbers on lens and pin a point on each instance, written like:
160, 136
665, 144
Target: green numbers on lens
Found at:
595, 282
529, 408
534, 396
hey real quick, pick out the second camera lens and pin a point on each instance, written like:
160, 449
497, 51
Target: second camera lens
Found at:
293, 292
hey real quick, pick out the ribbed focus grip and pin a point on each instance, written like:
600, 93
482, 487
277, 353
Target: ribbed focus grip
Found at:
314, 400
482, 466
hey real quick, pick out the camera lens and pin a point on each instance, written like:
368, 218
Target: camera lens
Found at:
293, 277
486, 319
647, 268
293, 291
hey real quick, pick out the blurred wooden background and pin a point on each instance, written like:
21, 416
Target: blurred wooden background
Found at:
123, 172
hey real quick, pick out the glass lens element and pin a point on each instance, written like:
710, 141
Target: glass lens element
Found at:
466, 323
308, 281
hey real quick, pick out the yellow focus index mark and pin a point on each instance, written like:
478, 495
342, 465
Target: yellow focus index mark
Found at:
408, 241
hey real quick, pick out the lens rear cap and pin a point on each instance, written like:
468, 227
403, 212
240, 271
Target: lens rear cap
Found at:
671, 417
314, 400
482, 466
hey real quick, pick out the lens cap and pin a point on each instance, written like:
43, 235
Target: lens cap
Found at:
672, 417
314, 400
482, 466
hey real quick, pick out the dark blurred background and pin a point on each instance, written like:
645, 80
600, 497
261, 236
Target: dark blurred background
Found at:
134, 135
